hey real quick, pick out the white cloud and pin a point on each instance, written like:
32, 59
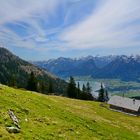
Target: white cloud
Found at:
113, 24
9, 38
29, 12
15, 10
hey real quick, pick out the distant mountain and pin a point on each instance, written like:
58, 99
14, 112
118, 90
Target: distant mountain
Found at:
122, 67
65, 67
11, 65
104, 60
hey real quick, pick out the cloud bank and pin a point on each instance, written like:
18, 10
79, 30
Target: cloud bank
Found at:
66, 25
113, 24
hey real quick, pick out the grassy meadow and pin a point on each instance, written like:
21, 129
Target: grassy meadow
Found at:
44, 117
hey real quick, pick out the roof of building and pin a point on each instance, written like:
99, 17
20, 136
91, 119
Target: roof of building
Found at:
124, 102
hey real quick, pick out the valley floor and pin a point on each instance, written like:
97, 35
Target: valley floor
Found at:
45, 117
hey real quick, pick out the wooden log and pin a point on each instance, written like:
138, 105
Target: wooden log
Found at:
14, 118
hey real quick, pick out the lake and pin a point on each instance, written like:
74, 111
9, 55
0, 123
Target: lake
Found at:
94, 85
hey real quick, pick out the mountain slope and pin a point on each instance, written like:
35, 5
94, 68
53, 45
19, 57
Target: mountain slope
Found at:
12, 66
102, 61
65, 67
122, 67
49, 117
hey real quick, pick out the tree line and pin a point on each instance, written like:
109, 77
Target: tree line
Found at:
73, 90
85, 93
33, 84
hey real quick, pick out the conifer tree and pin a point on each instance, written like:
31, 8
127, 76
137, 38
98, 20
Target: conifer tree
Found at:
41, 87
50, 89
84, 93
78, 91
101, 96
32, 82
12, 82
88, 92
71, 89
88, 88
84, 89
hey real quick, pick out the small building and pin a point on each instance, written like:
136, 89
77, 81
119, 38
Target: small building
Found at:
123, 104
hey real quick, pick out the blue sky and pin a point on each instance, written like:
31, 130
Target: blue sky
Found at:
44, 29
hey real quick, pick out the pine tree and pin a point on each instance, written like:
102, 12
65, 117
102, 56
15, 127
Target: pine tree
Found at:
50, 89
84, 93
78, 91
84, 89
41, 87
12, 82
101, 97
88, 88
88, 92
32, 82
71, 89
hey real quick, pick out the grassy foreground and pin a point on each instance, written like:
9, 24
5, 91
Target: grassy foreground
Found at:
57, 118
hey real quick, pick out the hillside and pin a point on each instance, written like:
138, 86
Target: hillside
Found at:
13, 66
50, 117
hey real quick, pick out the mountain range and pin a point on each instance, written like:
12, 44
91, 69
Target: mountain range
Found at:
113, 66
13, 66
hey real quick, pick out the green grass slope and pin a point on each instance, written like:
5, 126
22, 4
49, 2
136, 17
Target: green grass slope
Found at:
57, 118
